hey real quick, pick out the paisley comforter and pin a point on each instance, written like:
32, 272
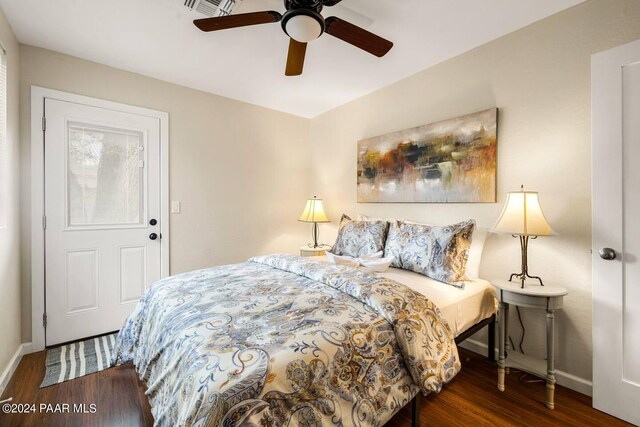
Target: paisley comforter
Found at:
285, 341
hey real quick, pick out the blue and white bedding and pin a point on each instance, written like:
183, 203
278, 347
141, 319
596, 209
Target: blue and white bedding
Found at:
282, 340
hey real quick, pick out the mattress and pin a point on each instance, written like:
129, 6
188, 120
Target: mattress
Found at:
462, 308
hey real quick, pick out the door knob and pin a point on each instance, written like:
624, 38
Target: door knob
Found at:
153, 236
607, 254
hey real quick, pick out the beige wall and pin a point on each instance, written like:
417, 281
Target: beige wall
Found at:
10, 235
539, 77
239, 170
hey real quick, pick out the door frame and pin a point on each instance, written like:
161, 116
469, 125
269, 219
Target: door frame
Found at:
38, 97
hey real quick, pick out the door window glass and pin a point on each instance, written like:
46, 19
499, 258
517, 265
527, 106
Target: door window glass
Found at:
105, 180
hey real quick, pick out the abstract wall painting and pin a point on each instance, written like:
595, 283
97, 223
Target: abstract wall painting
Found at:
452, 161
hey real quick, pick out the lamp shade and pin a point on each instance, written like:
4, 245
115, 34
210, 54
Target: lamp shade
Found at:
314, 211
522, 215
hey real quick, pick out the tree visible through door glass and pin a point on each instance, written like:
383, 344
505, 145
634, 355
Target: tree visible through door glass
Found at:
105, 180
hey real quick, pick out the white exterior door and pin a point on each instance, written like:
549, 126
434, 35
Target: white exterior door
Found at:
102, 217
616, 231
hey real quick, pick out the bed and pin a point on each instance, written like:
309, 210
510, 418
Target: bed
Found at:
462, 308
283, 340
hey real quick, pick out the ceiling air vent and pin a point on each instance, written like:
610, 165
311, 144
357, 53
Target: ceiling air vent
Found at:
212, 7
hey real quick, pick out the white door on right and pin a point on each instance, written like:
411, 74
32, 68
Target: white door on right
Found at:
616, 231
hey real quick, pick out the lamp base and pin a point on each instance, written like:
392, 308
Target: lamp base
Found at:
315, 233
320, 246
522, 277
524, 273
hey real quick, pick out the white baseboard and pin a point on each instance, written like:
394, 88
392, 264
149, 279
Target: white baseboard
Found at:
23, 348
563, 378
27, 348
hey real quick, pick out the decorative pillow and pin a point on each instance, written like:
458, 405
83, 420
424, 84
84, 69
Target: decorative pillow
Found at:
437, 252
363, 217
358, 238
475, 251
472, 270
343, 221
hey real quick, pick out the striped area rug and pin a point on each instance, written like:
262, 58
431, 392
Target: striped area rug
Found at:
77, 359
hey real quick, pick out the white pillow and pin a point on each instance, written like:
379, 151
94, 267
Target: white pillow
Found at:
363, 217
475, 251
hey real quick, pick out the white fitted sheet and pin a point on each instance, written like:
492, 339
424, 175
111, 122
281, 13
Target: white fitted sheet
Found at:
462, 308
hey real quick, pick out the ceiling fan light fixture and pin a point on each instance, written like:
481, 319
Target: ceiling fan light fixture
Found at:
303, 25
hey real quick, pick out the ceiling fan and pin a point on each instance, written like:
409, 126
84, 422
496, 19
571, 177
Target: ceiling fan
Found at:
303, 23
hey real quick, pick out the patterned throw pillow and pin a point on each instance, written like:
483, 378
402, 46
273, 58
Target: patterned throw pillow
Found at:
437, 252
359, 238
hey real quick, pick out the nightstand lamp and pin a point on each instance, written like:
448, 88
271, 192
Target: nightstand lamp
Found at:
314, 213
522, 217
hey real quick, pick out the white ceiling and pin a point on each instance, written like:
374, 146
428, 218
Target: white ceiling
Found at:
156, 38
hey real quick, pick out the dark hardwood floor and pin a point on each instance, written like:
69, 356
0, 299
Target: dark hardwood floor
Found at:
470, 399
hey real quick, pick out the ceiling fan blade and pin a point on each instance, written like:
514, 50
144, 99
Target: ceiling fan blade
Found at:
330, 2
239, 20
295, 59
357, 36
